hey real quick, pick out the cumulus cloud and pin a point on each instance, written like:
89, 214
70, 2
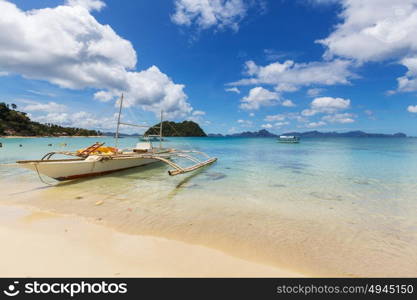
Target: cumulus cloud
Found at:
314, 92
233, 90
290, 76
88, 4
41, 93
67, 46
259, 97
198, 116
280, 124
51, 107
408, 82
326, 105
275, 125
315, 124
290, 116
377, 30
278, 117
339, 118
219, 14
199, 113
79, 119
288, 103
412, 109
245, 123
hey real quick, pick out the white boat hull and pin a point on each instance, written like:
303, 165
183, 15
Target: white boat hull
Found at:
73, 169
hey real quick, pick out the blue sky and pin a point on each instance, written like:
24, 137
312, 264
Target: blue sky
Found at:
230, 65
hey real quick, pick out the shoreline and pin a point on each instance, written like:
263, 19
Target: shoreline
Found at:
47, 136
289, 241
36, 241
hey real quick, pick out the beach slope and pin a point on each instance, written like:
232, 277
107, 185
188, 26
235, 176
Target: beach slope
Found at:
39, 244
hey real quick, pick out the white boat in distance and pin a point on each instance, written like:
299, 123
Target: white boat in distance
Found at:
291, 139
99, 160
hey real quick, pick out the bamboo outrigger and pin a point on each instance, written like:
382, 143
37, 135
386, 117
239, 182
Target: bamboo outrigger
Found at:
99, 160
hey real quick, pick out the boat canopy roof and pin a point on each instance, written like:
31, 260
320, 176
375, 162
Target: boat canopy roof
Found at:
287, 137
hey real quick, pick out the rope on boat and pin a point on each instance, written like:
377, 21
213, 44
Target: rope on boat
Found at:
40, 177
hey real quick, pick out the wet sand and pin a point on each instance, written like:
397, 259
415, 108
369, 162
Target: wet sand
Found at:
42, 244
274, 237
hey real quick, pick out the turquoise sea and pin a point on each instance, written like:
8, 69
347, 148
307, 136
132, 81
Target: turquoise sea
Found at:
325, 207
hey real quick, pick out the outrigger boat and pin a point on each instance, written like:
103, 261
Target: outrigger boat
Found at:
99, 160
152, 138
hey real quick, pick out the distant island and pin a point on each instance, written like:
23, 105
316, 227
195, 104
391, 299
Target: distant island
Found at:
184, 129
170, 129
260, 133
315, 134
356, 133
17, 123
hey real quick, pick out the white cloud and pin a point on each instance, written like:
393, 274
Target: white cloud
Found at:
326, 105
315, 124
276, 125
290, 116
199, 113
408, 82
278, 117
251, 114
198, 117
67, 46
245, 123
314, 92
286, 87
323, 1
378, 30
412, 109
79, 119
280, 124
233, 90
41, 93
258, 97
272, 54
290, 76
296, 116
219, 14
88, 4
287, 103
51, 107
60, 114
339, 118
232, 130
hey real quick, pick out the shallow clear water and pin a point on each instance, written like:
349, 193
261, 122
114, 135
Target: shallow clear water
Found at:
334, 206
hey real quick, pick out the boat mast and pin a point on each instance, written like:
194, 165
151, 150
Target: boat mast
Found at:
160, 131
118, 121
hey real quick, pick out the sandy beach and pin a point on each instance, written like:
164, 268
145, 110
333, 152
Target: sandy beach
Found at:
40, 244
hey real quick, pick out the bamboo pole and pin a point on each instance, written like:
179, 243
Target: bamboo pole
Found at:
192, 168
118, 121
160, 131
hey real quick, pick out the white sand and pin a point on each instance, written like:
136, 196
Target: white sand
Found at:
38, 244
